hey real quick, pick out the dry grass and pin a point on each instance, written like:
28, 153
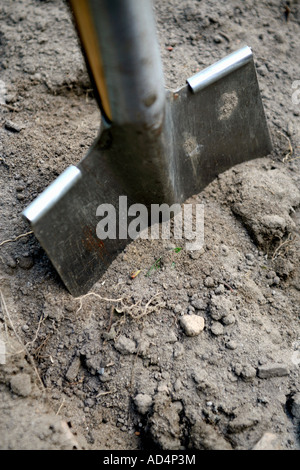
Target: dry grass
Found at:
24, 347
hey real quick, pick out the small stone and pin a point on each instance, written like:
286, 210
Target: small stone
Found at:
271, 275
248, 372
295, 409
209, 282
143, 403
125, 345
178, 385
218, 314
274, 222
73, 369
172, 337
11, 98
220, 289
21, 384
163, 388
272, 370
195, 254
228, 319
231, 345
217, 329
218, 39
219, 307
37, 76
111, 334
178, 350
12, 126
177, 308
93, 364
25, 262
279, 38
268, 441
192, 324
249, 256
199, 304
276, 281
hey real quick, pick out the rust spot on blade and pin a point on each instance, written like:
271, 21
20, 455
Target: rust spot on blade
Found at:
92, 243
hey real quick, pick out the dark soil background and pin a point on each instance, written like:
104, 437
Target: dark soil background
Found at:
98, 373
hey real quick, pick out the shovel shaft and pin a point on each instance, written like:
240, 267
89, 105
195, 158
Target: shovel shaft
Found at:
119, 41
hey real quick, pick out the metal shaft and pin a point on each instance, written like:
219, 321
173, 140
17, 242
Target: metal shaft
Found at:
122, 52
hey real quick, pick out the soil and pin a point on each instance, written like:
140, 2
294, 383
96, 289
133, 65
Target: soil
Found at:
102, 373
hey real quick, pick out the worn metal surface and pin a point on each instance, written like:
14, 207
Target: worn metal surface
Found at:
221, 125
202, 135
119, 40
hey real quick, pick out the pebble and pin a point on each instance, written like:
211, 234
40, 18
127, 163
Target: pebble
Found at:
218, 39
248, 372
231, 345
279, 38
217, 329
218, 314
178, 350
272, 370
177, 385
12, 126
25, 262
73, 369
220, 289
172, 338
209, 282
192, 324
228, 319
199, 304
177, 308
21, 384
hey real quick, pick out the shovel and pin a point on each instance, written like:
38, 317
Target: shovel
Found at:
155, 146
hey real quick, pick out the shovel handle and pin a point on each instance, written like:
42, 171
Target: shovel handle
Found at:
119, 42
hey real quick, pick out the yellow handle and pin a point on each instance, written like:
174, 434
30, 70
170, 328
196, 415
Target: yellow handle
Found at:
88, 37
